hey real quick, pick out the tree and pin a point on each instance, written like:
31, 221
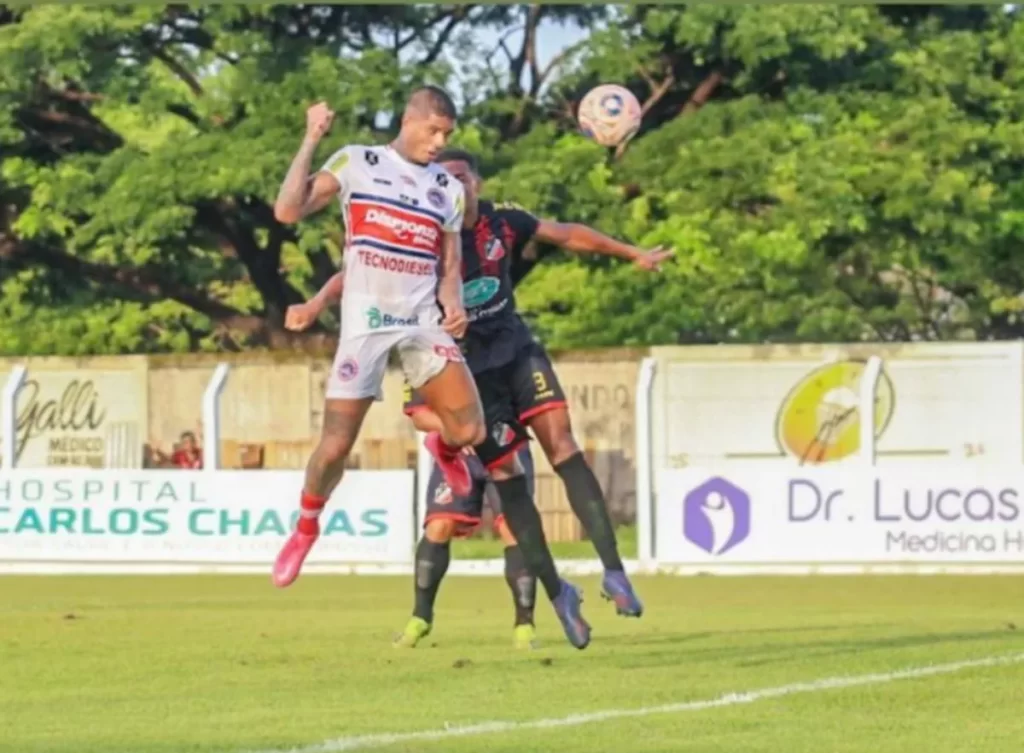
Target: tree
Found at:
825, 172
142, 147
854, 177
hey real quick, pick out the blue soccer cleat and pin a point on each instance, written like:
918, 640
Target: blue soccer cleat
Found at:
616, 588
567, 607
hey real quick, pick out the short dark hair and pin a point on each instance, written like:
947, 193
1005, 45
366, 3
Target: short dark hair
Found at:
433, 100
459, 155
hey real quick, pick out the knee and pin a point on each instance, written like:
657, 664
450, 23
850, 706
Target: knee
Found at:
508, 468
468, 433
439, 530
561, 446
335, 449
554, 432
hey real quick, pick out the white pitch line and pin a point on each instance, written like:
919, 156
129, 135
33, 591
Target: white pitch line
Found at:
381, 740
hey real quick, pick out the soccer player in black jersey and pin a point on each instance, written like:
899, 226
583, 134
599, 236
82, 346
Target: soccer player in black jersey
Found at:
515, 377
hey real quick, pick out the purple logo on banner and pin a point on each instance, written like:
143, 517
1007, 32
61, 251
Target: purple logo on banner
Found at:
716, 516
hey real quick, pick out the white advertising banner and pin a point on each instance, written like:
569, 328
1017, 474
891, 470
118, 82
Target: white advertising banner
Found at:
197, 517
758, 516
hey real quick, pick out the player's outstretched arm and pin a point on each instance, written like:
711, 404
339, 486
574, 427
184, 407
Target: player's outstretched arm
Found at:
582, 239
301, 193
301, 316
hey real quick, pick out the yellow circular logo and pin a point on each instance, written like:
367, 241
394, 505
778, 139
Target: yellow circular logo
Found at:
819, 420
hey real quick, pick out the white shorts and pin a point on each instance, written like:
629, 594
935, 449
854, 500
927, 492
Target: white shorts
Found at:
360, 363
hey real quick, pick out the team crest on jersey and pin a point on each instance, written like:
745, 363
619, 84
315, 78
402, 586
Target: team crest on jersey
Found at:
443, 495
503, 434
494, 250
371, 157
436, 197
348, 370
442, 180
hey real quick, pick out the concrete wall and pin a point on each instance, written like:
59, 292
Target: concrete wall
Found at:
118, 410
713, 406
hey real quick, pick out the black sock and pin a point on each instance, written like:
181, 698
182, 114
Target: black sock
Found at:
524, 523
522, 585
587, 502
431, 565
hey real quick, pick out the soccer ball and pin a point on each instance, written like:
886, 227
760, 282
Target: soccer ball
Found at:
609, 114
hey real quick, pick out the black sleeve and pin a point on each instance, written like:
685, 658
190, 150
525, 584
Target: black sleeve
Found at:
522, 227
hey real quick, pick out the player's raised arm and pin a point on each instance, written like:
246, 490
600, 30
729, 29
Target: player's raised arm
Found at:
449, 286
301, 316
301, 193
583, 240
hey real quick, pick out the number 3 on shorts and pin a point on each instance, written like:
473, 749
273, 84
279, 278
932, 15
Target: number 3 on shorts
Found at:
540, 382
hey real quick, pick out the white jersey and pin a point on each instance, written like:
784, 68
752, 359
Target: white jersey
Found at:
396, 214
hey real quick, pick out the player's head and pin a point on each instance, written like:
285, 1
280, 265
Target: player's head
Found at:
427, 123
464, 168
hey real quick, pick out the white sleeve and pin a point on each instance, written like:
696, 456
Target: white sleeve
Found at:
453, 222
337, 165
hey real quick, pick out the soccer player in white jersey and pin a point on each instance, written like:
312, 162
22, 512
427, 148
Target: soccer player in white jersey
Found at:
403, 291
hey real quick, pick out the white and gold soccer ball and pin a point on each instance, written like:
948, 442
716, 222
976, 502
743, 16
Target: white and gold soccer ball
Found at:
609, 114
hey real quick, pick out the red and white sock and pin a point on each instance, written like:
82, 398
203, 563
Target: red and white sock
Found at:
309, 513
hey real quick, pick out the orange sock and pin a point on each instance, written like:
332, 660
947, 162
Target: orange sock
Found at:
310, 508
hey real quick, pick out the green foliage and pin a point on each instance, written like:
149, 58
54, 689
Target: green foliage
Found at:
823, 172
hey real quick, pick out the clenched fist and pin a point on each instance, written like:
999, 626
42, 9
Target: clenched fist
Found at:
301, 316
318, 120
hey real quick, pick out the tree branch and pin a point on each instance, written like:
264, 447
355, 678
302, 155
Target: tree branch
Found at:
702, 93
653, 98
518, 63
149, 285
454, 20
177, 69
84, 126
560, 58
657, 93
186, 113
224, 218
530, 46
504, 47
72, 95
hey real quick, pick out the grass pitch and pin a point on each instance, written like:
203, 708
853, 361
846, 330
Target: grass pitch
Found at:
228, 664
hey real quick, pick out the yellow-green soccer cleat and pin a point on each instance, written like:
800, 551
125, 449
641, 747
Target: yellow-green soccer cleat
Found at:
525, 637
415, 630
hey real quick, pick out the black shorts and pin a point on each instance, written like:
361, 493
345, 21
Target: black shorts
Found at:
468, 511
511, 396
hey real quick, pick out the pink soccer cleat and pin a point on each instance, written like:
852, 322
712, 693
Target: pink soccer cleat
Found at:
453, 466
289, 561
